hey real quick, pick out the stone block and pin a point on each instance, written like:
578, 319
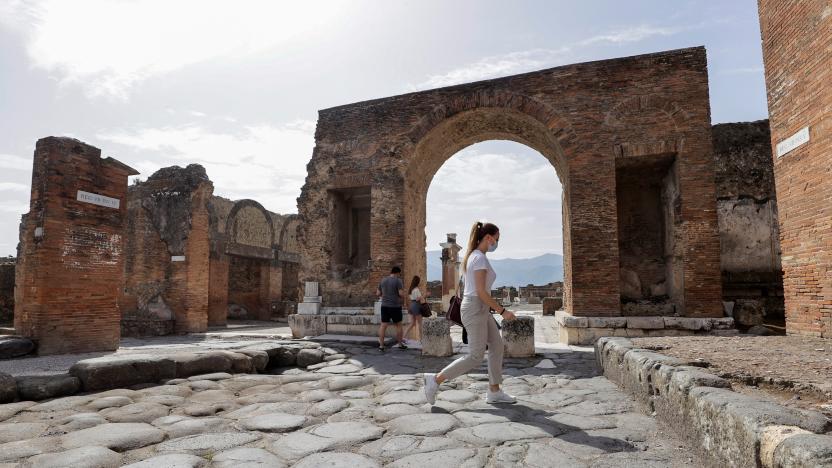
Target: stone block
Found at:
8, 388
41, 387
188, 364
607, 322
804, 450
309, 308
308, 357
723, 323
749, 312
552, 305
518, 335
15, 346
122, 371
436, 337
687, 323
645, 323
565, 319
307, 325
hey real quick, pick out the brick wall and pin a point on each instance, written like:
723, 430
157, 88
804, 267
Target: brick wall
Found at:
71, 263
582, 118
797, 51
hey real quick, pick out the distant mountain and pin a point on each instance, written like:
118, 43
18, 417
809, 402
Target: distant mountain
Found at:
511, 271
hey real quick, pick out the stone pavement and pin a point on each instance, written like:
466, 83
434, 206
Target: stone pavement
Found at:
359, 408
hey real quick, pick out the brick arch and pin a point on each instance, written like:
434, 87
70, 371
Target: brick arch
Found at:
463, 125
231, 229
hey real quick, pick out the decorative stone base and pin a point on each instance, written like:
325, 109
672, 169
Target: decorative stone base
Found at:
309, 308
436, 337
518, 335
354, 325
587, 330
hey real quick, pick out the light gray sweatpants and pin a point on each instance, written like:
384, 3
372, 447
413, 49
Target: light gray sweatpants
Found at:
482, 330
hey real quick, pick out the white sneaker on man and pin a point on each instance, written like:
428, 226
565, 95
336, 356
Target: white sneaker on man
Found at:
430, 388
499, 397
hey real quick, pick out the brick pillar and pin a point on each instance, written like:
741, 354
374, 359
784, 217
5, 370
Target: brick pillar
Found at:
591, 281
218, 290
72, 249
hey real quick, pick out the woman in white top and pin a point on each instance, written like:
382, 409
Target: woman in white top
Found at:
475, 311
415, 307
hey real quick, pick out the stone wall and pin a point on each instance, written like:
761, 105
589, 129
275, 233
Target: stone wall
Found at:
6, 291
584, 118
70, 269
195, 258
747, 208
797, 40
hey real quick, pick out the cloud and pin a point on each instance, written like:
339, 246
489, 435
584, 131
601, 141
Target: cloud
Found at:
109, 47
15, 205
13, 187
743, 71
508, 184
632, 34
524, 61
13, 162
264, 162
496, 66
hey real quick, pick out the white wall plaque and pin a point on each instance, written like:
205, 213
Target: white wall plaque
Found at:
177, 258
792, 142
97, 199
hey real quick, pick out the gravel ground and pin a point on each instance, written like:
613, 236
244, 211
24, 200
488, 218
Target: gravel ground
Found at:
793, 370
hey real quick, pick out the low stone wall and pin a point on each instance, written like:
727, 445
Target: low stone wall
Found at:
126, 370
354, 325
727, 428
586, 330
552, 305
146, 326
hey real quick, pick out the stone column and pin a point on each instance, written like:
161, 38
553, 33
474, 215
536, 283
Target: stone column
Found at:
436, 337
311, 304
518, 335
450, 269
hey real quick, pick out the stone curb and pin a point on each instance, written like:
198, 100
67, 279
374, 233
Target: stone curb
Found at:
727, 428
127, 370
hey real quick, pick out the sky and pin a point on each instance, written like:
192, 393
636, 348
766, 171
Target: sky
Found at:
236, 86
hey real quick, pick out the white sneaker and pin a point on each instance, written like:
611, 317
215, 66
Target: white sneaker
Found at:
499, 397
430, 388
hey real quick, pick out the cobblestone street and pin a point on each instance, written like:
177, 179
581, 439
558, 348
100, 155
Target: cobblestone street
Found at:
358, 408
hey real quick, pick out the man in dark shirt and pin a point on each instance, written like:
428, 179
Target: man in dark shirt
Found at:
391, 292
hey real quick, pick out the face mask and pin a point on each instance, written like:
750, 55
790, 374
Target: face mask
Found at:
493, 246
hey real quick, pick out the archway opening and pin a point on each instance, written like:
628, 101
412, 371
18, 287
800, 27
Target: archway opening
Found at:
516, 188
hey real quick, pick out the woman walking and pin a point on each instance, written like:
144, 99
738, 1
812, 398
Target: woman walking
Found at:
475, 311
415, 308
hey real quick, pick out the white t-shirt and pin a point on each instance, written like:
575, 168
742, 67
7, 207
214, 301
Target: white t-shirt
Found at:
478, 261
415, 295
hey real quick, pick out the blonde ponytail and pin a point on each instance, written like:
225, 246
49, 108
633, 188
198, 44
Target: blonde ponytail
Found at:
478, 231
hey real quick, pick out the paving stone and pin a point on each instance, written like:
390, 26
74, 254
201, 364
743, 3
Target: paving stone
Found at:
188, 364
10, 432
167, 400
497, 433
12, 451
245, 457
317, 395
300, 444
273, 422
10, 409
570, 422
534, 455
347, 382
457, 396
202, 385
453, 457
340, 369
347, 432
190, 426
115, 436
551, 400
175, 460
15, 346
82, 457
598, 408
177, 390
356, 394
60, 404
212, 396
120, 371
309, 356
80, 421
475, 418
390, 412
136, 412
204, 444
406, 397
392, 448
290, 407
109, 402
424, 424
337, 460
329, 407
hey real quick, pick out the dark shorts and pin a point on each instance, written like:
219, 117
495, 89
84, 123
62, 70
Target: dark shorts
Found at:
391, 314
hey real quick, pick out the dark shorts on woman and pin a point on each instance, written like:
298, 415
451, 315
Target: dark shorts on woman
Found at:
415, 308
391, 314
